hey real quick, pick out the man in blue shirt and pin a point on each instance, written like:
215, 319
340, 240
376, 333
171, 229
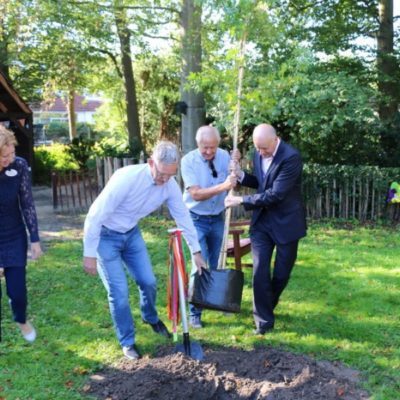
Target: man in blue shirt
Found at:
112, 238
206, 177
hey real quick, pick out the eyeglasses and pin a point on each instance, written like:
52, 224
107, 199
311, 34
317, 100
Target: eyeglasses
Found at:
162, 175
213, 170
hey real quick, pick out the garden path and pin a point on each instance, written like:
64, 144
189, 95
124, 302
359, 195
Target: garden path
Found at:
54, 224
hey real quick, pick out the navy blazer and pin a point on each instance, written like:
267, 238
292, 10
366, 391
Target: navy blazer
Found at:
278, 204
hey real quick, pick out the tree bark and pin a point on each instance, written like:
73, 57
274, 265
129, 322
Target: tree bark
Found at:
4, 57
191, 58
132, 112
71, 114
387, 63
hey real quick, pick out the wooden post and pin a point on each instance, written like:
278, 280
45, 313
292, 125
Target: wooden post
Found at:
78, 188
100, 173
71, 183
228, 212
54, 185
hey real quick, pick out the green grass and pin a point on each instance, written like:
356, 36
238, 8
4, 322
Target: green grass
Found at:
342, 304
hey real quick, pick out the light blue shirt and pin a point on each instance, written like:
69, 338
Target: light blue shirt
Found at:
196, 172
129, 196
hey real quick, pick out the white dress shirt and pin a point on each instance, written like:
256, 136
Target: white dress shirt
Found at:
130, 195
266, 161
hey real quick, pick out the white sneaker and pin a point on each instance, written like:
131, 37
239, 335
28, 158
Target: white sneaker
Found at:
195, 322
28, 332
131, 352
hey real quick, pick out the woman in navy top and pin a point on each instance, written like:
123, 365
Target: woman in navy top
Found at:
17, 212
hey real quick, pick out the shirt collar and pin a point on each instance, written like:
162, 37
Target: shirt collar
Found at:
276, 148
149, 175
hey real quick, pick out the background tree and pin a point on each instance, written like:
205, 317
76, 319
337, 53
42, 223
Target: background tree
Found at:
193, 114
334, 27
310, 69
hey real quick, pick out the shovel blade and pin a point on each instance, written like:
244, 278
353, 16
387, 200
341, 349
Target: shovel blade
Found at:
195, 350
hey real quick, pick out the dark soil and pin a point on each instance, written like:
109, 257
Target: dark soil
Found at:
263, 373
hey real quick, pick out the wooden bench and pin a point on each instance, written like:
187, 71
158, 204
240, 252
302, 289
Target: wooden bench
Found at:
238, 246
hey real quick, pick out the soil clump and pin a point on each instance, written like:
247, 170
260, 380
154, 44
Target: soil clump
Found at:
228, 373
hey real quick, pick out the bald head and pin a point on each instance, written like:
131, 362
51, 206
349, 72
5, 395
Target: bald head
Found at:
208, 138
265, 139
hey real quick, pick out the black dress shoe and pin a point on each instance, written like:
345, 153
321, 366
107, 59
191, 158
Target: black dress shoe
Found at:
160, 328
262, 330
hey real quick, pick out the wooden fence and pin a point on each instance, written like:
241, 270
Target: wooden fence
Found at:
106, 166
357, 199
74, 190
358, 193
338, 195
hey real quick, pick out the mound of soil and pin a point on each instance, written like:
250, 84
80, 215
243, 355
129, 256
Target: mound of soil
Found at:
263, 373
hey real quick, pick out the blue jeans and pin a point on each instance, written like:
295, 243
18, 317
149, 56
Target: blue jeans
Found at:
210, 231
116, 249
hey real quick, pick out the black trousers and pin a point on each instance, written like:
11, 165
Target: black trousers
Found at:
268, 285
15, 278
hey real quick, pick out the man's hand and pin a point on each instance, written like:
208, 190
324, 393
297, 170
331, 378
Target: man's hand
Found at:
200, 263
233, 201
230, 182
36, 250
236, 169
90, 265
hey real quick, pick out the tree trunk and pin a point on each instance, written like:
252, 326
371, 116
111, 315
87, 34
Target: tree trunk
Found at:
132, 112
4, 57
191, 57
387, 63
3, 44
71, 114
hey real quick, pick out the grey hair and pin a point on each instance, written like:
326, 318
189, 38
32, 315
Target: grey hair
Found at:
207, 130
166, 152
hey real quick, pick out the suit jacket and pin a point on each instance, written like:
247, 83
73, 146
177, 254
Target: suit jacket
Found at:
278, 204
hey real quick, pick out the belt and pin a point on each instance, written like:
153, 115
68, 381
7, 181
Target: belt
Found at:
207, 216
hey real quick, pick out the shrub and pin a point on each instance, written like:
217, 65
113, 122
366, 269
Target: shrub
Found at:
57, 131
52, 158
112, 147
81, 149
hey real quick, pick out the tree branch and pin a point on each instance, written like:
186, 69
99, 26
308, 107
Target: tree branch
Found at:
108, 6
112, 56
304, 8
174, 10
149, 21
156, 37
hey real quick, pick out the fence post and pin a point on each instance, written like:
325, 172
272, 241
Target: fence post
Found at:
54, 183
100, 173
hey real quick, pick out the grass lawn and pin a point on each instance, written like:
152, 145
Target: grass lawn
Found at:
342, 304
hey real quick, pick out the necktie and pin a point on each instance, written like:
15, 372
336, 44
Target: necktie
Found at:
213, 170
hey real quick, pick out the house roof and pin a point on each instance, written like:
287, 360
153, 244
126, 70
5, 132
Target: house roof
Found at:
11, 104
82, 104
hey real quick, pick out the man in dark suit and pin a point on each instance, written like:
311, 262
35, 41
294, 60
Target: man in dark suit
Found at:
278, 219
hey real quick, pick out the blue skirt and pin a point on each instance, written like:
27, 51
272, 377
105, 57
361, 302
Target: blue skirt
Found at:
13, 247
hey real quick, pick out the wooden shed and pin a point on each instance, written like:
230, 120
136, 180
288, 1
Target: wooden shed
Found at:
17, 116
